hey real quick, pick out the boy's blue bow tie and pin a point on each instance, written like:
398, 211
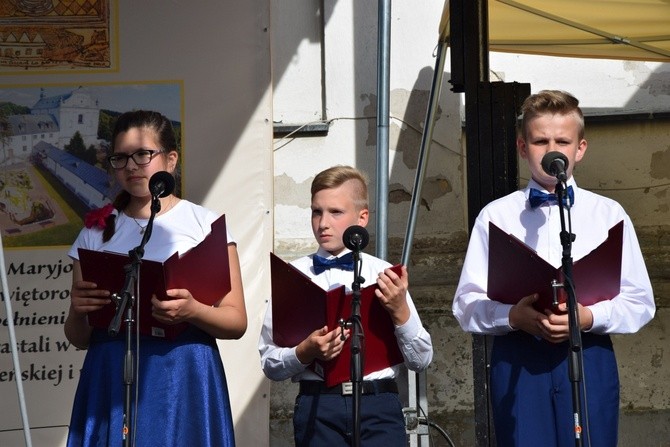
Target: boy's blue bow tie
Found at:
537, 197
322, 264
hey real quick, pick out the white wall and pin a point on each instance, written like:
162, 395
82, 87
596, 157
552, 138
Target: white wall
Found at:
350, 53
349, 61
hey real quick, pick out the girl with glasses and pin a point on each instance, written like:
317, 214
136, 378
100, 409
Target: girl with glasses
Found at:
182, 397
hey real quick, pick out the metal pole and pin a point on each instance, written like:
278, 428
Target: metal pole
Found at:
418, 402
424, 151
15, 355
383, 92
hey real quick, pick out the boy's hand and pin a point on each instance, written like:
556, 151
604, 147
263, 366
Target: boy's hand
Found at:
556, 327
551, 326
524, 317
392, 294
321, 345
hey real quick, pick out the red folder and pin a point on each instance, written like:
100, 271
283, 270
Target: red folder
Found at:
516, 271
299, 307
203, 270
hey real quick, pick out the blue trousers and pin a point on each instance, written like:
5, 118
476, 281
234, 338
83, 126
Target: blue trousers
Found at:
327, 420
531, 392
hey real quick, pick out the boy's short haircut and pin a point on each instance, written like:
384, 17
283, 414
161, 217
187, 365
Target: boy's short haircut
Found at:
549, 101
337, 176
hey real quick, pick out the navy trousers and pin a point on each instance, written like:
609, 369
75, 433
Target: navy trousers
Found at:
531, 392
327, 420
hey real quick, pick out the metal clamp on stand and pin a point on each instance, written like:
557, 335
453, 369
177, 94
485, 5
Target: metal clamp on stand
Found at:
555, 285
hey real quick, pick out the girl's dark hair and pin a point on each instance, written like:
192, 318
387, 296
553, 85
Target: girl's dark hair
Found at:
149, 119
166, 139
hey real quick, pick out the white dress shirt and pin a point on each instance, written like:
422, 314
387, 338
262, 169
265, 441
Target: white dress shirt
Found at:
413, 340
178, 230
592, 216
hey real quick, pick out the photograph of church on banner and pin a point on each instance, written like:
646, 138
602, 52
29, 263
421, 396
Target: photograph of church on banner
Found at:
54, 143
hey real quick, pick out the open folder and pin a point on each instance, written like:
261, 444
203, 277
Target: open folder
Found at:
516, 271
203, 270
299, 307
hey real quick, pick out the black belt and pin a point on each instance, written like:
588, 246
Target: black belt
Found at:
346, 388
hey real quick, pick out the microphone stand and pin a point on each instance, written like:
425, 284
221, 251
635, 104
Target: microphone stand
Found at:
576, 355
125, 303
356, 369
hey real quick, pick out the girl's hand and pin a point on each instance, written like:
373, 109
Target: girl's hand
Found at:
181, 307
86, 297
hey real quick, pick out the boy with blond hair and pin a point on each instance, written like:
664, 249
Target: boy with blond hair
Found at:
530, 387
323, 415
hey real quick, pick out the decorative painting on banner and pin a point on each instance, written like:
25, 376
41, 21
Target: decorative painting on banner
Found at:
57, 36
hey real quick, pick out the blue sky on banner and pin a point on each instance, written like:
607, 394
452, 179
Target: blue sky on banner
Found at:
163, 97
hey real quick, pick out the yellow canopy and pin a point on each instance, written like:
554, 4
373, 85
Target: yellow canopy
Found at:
609, 29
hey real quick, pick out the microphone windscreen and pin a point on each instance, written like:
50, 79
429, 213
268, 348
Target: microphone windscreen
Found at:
550, 161
355, 238
161, 184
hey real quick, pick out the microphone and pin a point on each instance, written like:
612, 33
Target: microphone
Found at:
161, 184
555, 163
355, 238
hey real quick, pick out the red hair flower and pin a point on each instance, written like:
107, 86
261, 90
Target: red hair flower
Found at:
98, 217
